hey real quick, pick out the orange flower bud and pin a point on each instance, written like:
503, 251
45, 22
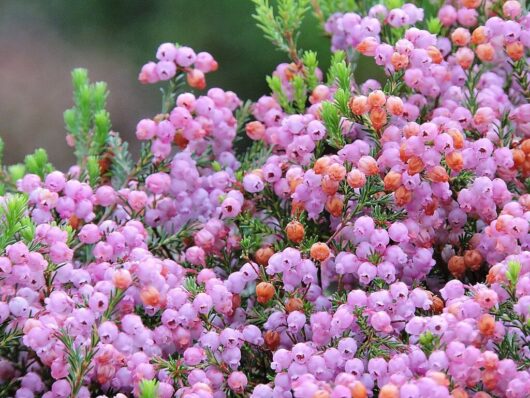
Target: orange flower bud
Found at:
458, 138
356, 178
402, 196
336, 172
263, 255
321, 165
456, 266
438, 174
485, 52
367, 46
334, 206
321, 394
359, 105
455, 161
394, 105
460, 37
196, 79
389, 391
329, 186
358, 390
437, 305
473, 259
415, 165
179, 140
265, 292
479, 36
515, 50
319, 251
295, 231
471, 3
486, 325
399, 61
368, 165
459, 393
525, 146
272, 339
392, 181
435, 54
122, 278
150, 296
255, 130
376, 98
411, 129
297, 208
378, 117
294, 304
518, 157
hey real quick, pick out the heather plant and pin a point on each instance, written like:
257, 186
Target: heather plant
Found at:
335, 239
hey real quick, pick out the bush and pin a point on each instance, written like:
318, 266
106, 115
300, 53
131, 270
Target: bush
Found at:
336, 238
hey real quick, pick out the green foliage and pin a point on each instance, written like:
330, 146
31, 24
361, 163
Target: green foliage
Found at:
148, 388
92, 167
121, 161
310, 62
434, 25
331, 119
429, 342
512, 274
275, 85
392, 4
37, 163
88, 122
282, 27
373, 344
300, 93
323, 9
253, 230
14, 223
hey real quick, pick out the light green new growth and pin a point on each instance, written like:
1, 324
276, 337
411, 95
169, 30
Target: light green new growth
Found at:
87, 121
14, 222
282, 27
148, 389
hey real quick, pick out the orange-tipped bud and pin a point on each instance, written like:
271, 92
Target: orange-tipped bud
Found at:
359, 105
356, 178
460, 37
255, 130
438, 174
485, 52
455, 161
319, 251
263, 255
389, 391
265, 292
479, 36
272, 339
415, 165
486, 325
515, 50
368, 165
294, 304
456, 266
376, 98
458, 138
334, 206
150, 296
435, 54
399, 61
402, 196
378, 117
473, 259
336, 172
196, 79
295, 231
392, 181
394, 106
321, 165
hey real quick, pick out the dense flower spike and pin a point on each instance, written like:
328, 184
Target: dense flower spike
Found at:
369, 240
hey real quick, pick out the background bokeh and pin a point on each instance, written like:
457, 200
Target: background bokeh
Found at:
42, 41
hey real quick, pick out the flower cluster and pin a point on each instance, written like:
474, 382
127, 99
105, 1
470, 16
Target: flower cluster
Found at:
334, 239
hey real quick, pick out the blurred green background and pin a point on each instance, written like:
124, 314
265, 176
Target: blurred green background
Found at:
41, 41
